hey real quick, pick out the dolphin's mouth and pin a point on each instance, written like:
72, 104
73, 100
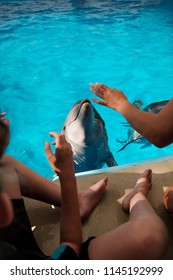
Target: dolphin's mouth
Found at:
81, 102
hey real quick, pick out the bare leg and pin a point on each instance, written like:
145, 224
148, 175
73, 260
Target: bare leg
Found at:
144, 236
49, 192
168, 201
142, 185
89, 198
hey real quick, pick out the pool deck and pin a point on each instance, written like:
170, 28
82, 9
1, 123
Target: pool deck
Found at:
108, 214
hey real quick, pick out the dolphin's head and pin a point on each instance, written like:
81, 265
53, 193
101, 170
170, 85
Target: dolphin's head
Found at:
83, 124
85, 130
156, 107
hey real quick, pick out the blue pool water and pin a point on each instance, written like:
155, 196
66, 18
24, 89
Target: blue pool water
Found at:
51, 50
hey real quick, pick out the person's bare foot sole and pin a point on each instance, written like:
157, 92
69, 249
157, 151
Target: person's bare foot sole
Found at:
143, 185
89, 198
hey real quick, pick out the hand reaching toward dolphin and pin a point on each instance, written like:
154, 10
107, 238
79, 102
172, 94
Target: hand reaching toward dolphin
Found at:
62, 160
3, 118
112, 98
62, 163
2, 115
156, 128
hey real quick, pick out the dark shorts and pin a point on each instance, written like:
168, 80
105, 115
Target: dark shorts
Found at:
19, 237
84, 249
19, 234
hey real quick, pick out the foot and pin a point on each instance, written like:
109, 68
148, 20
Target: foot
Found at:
89, 198
168, 201
143, 185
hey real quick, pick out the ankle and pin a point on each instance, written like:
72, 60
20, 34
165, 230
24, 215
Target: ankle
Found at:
135, 199
142, 190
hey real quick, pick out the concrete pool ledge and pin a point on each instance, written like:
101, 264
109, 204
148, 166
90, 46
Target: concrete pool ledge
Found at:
108, 214
119, 167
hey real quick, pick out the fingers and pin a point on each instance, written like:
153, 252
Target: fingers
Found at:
60, 141
57, 135
59, 138
98, 89
99, 101
48, 151
101, 91
96, 92
99, 86
54, 134
3, 114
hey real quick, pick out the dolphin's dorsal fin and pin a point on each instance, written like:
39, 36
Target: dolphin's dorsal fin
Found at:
110, 160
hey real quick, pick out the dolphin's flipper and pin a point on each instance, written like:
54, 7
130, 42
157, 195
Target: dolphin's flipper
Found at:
110, 160
123, 147
133, 140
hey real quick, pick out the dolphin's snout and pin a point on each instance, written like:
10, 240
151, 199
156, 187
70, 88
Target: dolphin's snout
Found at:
85, 101
86, 108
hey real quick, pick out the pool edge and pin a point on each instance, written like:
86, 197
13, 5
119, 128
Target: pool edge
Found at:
120, 167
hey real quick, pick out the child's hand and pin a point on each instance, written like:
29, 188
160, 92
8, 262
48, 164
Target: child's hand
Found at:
62, 160
4, 119
2, 115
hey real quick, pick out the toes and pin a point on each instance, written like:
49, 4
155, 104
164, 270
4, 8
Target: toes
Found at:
145, 176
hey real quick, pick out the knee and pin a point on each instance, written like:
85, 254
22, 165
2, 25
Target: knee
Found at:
152, 241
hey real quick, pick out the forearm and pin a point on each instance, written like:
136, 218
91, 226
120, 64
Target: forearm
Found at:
62, 164
157, 128
32, 184
151, 126
70, 223
48, 193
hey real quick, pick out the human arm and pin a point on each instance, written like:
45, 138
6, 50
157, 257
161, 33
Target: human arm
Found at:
23, 180
157, 128
62, 163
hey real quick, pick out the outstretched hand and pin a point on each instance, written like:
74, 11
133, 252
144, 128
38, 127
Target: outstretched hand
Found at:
2, 115
62, 160
2, 119
112, 97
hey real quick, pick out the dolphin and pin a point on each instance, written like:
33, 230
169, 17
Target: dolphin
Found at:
154, 108
85, 130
